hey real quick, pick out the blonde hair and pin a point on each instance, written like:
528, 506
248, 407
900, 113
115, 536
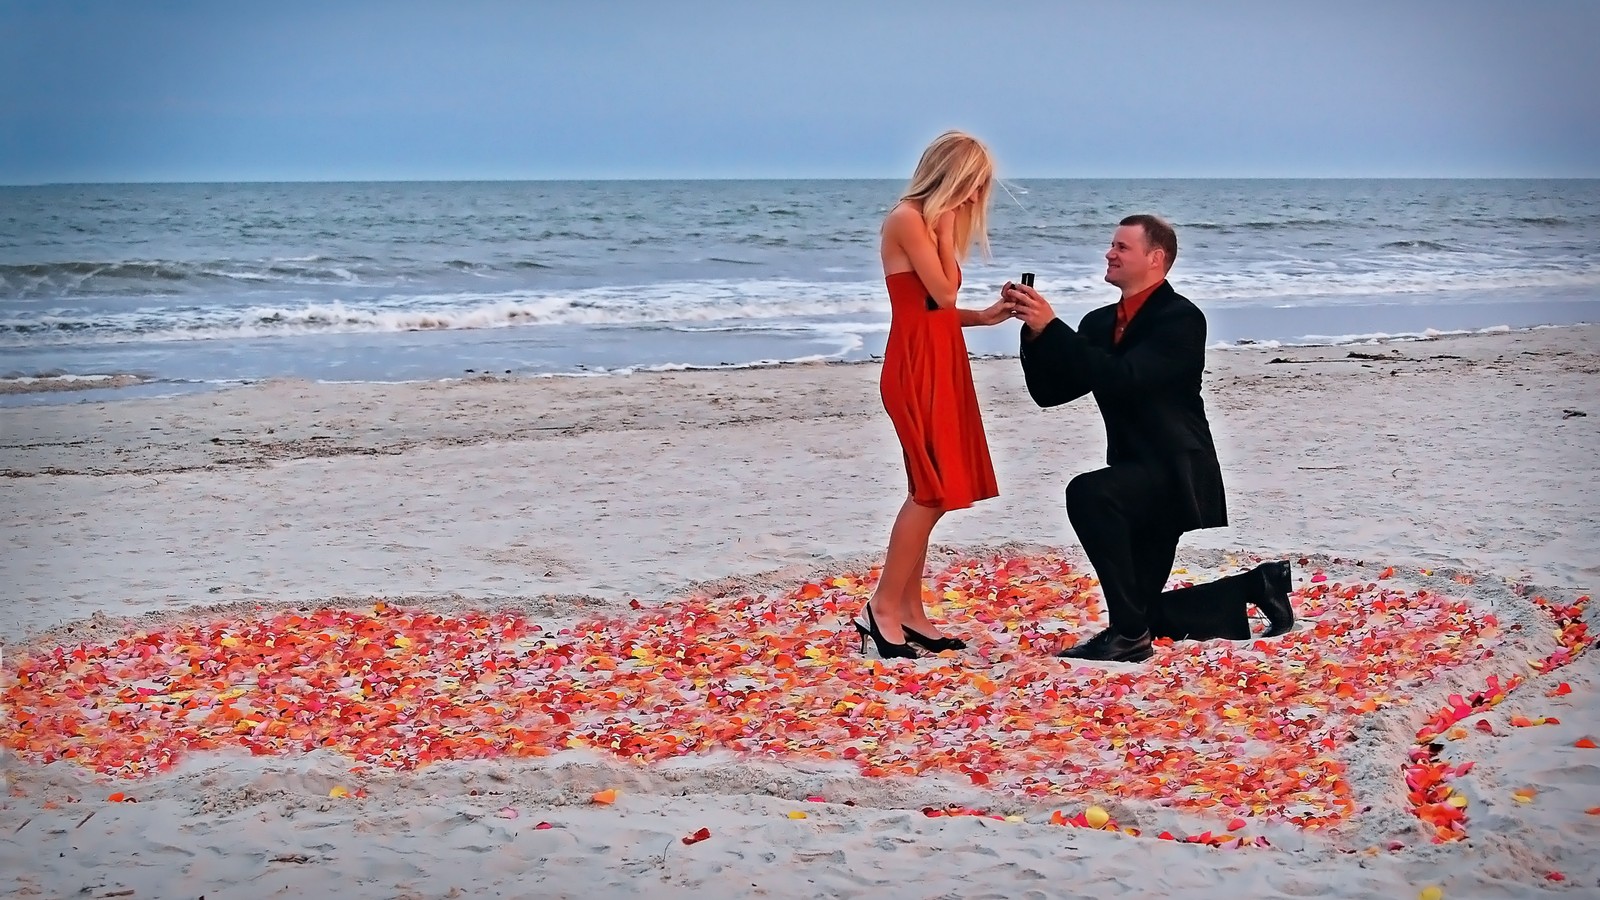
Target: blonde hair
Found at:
953, 166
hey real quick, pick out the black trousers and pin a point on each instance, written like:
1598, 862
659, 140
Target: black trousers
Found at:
1123, 520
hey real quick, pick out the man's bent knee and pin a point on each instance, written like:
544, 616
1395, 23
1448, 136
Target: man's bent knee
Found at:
1086, 493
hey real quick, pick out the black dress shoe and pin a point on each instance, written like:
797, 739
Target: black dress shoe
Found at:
1110, 646
1276, 582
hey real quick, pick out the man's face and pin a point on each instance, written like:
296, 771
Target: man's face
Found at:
1131, 261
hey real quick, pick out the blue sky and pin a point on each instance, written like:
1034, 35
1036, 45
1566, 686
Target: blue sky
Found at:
188, 91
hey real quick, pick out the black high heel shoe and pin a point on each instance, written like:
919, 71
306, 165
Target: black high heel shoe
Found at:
933, 644
885, 649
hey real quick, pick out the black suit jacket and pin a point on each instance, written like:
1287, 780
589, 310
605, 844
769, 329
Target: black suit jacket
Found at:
1148, 390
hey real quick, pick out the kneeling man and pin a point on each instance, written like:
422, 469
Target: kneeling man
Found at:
1142, 358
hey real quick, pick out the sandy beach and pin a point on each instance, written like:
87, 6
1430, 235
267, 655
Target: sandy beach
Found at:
1466, 464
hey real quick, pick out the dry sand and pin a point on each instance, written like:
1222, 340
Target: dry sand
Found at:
563, 496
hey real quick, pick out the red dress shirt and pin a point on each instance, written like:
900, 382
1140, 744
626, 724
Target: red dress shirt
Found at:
1128, 307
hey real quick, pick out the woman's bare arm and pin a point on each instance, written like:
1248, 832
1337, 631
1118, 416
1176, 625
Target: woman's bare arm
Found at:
932, 257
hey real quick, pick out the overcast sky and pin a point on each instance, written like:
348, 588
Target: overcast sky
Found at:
283, 90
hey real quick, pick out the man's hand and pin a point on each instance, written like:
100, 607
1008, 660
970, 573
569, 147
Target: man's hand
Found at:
1029, 306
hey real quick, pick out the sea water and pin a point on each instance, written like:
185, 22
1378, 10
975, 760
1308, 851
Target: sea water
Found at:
188, 286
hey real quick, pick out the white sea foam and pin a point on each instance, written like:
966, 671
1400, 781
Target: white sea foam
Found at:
1218, 288
748, 304
637, 305
752, 364
1373, 337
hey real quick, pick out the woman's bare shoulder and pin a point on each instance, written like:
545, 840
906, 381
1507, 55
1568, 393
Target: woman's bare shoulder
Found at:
904, 215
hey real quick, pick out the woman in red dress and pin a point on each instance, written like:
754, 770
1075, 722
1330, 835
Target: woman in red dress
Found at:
927, 379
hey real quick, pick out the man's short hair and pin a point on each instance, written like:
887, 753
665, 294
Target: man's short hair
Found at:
1158, 232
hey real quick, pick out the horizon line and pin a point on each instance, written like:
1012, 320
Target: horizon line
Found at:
638, 179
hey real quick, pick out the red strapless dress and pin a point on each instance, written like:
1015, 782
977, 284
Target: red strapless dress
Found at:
927, 390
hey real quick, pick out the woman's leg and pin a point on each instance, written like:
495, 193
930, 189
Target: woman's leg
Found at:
916, 613
902, 567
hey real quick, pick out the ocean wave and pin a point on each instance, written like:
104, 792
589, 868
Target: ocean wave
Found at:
1259, 224
632, 306
61, 382
733, 304
154, 269
833, 329
1289, 224
1434, 246
1333, 286
709, 367
137, 278
1370, 337
145, 277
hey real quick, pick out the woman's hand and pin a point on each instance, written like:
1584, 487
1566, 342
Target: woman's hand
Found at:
944, 230
999, 311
